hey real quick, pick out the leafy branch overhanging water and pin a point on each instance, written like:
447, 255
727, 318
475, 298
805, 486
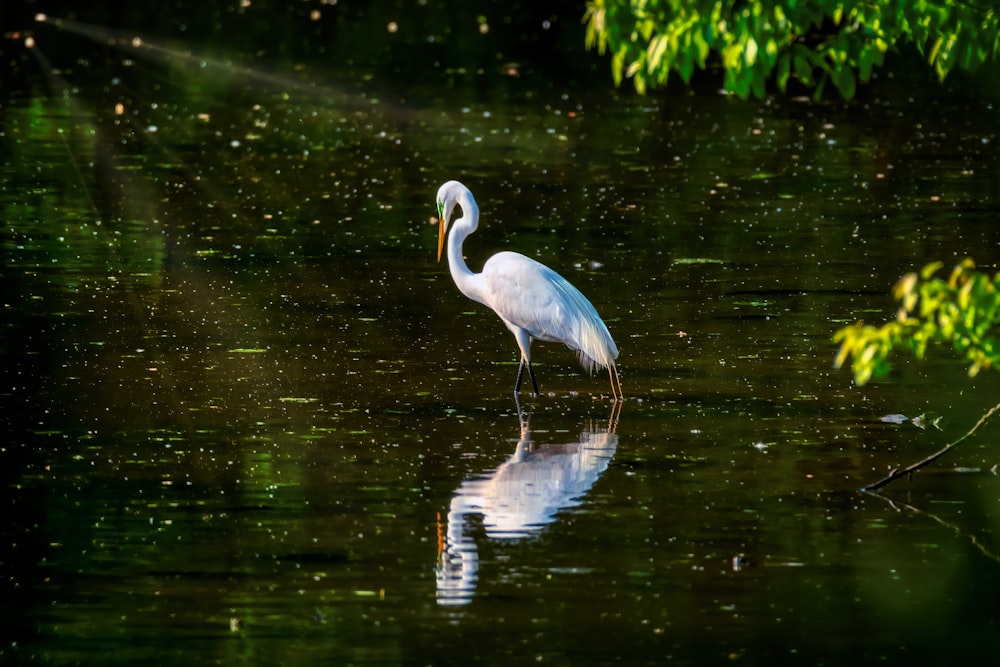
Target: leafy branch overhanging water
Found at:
963, 311
819, 43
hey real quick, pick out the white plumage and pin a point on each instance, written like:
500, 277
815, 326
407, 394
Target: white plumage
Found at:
533, 301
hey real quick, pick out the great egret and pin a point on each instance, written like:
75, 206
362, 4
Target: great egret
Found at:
533, 301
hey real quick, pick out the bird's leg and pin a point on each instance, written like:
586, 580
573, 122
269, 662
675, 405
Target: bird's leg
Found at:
613, 374
534, 383
520, 374
517, 382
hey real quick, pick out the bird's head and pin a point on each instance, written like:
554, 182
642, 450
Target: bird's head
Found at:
448, 197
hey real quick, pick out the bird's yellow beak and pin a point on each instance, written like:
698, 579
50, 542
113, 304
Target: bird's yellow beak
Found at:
442, 224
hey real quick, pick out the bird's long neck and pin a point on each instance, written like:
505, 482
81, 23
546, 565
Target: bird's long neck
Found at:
468, 282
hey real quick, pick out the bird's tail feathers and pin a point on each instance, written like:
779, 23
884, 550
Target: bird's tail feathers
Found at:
590, 364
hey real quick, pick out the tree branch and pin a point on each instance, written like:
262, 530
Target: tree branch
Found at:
896, 473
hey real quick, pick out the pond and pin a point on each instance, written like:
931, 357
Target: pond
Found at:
251, 418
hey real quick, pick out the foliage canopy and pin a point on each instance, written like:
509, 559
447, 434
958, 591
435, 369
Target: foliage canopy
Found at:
963, 310
817, 42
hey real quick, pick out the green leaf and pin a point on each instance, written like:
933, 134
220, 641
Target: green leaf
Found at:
803, 67
784, 70
930, 269
654, 54
843, 78
867, 60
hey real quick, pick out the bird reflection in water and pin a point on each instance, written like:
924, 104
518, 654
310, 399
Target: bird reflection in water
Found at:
519, 498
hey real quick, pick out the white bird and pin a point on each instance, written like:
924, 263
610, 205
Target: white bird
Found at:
535, 302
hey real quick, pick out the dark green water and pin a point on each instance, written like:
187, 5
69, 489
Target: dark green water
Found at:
250, 418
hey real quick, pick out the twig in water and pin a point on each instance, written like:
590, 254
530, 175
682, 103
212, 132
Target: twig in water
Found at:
896, 473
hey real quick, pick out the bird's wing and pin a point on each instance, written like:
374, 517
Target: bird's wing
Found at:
535, 298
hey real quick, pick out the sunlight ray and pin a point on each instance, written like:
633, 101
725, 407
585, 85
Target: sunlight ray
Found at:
154, 48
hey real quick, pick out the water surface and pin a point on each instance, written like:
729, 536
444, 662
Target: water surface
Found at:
250, 418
